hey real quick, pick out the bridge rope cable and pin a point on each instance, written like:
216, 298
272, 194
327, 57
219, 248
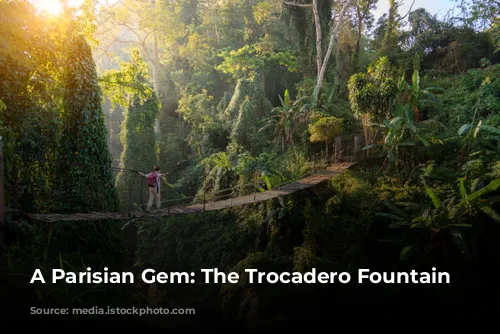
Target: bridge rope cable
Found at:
184, 209
296, 186
80, 164
234, 191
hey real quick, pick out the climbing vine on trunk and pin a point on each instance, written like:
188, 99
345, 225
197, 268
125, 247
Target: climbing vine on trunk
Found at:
84, 163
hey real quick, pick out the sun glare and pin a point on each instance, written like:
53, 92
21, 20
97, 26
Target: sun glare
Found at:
53, 7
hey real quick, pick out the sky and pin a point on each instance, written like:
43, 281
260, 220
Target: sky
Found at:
53, 6
439, 7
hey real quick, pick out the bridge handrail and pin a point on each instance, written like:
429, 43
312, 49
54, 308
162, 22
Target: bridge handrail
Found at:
207, 198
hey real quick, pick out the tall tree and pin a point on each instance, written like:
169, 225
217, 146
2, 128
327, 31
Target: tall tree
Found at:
336, 23
363, 19
131, 89
83, 161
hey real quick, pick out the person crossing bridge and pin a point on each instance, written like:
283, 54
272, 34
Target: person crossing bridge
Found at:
154, 187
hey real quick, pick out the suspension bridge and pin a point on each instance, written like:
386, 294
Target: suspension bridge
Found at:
204, 203
226, 198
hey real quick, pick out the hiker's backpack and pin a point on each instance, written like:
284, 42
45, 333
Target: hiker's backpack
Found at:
152, 180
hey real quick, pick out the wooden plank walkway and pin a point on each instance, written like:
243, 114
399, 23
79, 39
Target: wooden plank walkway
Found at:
283, 190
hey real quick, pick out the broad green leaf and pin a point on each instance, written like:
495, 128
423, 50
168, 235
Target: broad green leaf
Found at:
488, 210
287, 98
407, 252
402, 83
456, 212
266, 180
478, 128
492, 186
283, 212
424, 141
330, 96
414, 206
415, 80
461, 186
282, 102
435, 200
259, 188
396, 120
463, 129
395, 209
490, 129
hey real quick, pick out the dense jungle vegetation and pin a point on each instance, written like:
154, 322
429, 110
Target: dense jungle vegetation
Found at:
223, 93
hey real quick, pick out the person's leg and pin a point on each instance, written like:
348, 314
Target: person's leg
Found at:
158, 201
151, 198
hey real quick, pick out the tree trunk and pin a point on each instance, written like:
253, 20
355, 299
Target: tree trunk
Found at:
391, 22
317, 24
358, 39
334, 31
156, 69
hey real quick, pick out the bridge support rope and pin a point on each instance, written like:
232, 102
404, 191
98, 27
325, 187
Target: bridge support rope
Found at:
253, 197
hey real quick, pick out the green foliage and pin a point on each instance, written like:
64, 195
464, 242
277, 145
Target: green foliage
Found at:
196, 109
247, 61
403, 133
71, 247
252, 90
248, 105
332, 233
30, 68
212, 139
129, 87
325, 129
244, 133
474, 96
199, 112
131, 81
285, 121
218, 174
83, 160
138, 140
447, 215
373, 92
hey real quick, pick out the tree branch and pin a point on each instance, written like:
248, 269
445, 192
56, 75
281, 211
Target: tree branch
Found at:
317, 24
303, 5
409, 10
330, 48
